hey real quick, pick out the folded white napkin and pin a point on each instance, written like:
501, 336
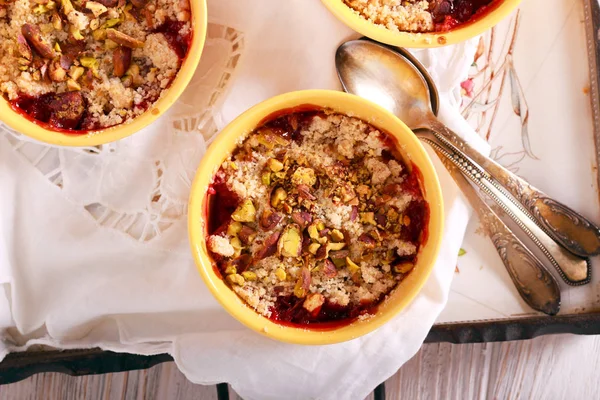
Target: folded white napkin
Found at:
93, 242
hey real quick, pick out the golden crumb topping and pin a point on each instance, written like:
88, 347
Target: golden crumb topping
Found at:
419, 15
396, 15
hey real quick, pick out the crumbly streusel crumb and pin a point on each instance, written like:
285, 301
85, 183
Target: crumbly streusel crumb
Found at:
395, 15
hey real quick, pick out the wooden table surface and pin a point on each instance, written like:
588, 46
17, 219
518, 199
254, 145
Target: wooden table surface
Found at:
550, 367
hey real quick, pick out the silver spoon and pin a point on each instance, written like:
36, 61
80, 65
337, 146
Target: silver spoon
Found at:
379, 74
535, 284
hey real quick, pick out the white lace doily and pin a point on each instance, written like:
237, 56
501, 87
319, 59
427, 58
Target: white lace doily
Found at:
93, 241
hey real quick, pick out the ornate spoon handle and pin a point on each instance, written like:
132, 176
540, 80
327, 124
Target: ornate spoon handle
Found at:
573, 270
534, 283
567, 227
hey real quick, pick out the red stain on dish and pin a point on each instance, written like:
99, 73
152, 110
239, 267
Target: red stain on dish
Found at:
179, 43
288, 311
451, 14
62, 112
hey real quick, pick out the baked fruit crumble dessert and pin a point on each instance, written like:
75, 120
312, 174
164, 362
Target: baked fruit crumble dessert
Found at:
315, 218
81, 65
420, 15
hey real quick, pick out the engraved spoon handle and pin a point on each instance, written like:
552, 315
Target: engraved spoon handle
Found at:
569, 228
534, 283
573, 270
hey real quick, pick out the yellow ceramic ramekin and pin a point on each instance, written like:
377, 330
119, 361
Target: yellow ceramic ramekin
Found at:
416, 40
23, 125
224, 145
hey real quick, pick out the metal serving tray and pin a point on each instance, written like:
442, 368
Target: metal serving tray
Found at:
534, 94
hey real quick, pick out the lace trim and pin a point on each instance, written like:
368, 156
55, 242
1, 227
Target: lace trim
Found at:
148, 201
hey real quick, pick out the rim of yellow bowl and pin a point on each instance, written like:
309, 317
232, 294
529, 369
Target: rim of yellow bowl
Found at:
29, 128
420, 40
222, 147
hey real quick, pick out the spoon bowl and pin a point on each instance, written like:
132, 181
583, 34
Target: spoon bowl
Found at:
373, 71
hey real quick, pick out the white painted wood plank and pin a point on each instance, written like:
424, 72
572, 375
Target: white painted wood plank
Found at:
546, 368
161, 382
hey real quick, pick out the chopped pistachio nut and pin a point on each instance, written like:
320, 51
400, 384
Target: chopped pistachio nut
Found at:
236, 279
337, 235
335, 246
279, 196
76, 72
40, 9
249, 276
280, 274
299, 291
94, 24
339, 262
234, 228
404, 267
266, 178
368, 218
352, 266
231, 269
89, 62
96, 8
392, 215
72, 85
274, 165
262, 139
76, 33
111, 23
236, 243
67, 7
313, 302
245, 212
290, 241
313, 247
47, 28
99, 35
313, 232
109, 44
304, 176
57, 23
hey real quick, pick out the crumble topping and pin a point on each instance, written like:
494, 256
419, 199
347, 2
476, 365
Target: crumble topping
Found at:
114, 57
418, 15
315, 218
395, 15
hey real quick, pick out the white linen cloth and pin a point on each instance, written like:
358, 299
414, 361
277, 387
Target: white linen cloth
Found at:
93, 242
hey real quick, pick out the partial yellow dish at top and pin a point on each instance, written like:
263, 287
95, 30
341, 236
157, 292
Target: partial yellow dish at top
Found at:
421, 23
84, 73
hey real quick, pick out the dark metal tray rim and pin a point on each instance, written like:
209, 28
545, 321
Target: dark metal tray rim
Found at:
19, 366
